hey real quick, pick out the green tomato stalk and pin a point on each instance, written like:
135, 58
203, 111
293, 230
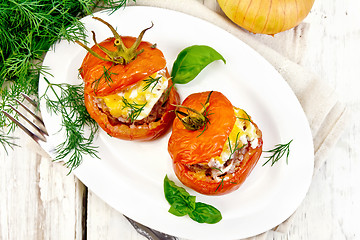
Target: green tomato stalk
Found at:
193, 120
122, 55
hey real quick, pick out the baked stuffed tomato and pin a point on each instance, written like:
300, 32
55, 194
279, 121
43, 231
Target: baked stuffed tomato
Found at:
214, 145
128, 90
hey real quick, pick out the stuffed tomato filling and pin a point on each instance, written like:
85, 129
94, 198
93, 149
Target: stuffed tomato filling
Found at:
242, 138
141, 103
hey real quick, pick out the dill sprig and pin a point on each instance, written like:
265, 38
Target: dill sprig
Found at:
111, 5
221, 184
70, 106
245, 119
149, 81
135, 108
278, 152
107, 77
236, 145
232, 152
28, 28
7, 141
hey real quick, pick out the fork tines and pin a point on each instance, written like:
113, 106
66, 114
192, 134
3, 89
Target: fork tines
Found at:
39, 127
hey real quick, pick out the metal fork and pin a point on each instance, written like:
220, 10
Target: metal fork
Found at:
40, 136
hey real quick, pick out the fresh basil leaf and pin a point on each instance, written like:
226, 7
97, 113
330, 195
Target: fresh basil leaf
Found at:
205, 213
182, 203
181, 208
174, 193
191, 61
180, 200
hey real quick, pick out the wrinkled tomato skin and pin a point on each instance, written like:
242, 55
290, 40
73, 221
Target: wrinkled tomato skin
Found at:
144, 132
190, 147
145, 64
180, 153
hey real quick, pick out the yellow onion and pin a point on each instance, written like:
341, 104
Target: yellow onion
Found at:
266, 16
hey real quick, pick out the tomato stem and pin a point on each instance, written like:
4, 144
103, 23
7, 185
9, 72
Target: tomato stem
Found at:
193, 120
122, 54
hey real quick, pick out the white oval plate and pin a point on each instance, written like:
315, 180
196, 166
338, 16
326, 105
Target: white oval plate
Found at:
129, 176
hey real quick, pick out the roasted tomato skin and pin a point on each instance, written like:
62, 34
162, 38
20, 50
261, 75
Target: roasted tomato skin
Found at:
150, 61
190, 147
145, 64
182, 152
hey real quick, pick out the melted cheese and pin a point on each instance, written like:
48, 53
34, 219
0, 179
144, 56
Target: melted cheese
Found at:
140, 95
242, 132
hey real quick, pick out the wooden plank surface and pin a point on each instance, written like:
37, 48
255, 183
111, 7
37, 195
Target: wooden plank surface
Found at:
38, 200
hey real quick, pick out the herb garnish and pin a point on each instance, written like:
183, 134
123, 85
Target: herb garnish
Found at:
245, 119
182, 203
107, 77
135, 108
191, 61
27, 30
278, 152
232, 151
221, 184
6, 141
150, 81
236, 147
70, 105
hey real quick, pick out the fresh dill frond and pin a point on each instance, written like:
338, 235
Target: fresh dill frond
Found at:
27, 31
134, 108
7, 141
278, 152
236, 145
247, 117
221, 184
149, 81
113, 5
106, 76
71, 107
167, 94
232, 152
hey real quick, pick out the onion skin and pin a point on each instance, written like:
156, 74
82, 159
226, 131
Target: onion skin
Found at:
266, 16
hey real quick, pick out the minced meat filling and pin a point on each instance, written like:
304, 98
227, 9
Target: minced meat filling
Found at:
215, 171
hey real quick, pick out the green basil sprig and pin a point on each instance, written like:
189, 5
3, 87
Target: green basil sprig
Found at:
182, 203
191, 61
